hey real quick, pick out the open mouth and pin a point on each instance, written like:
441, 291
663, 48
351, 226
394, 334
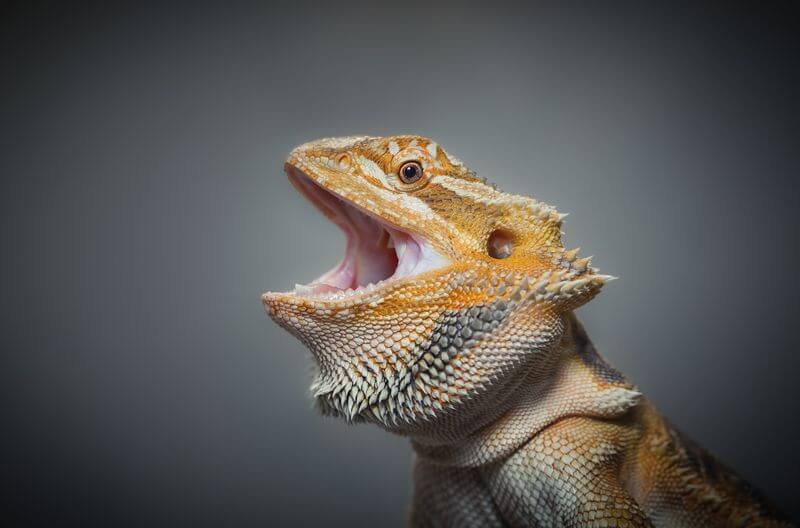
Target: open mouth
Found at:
376, 253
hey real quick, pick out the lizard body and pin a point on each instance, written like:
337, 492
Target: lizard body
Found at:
450, 321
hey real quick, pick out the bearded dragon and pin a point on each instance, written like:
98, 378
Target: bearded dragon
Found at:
450, 321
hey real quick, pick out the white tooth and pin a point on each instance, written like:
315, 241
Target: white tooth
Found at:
390, 242
400, 249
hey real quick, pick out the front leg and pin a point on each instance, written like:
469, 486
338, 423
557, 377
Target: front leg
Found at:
567, 476
447, 497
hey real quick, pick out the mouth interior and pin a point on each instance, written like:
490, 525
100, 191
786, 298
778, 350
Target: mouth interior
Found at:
375, 251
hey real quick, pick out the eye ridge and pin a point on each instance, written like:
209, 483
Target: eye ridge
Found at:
410, 172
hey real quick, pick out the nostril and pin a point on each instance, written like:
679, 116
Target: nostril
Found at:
500, 244
343, 161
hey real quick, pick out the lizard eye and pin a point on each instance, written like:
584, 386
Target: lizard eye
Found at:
410, 172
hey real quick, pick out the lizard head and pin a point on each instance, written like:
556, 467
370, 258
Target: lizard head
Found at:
448, 292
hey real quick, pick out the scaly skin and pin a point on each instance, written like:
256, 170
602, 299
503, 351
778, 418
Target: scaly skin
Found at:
477, 356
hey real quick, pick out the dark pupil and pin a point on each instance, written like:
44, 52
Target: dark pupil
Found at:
410, 172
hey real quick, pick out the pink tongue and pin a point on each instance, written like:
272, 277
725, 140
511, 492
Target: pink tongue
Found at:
342, 276
373, 261
366, 260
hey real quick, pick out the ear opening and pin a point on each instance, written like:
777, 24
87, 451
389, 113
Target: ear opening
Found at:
500, 243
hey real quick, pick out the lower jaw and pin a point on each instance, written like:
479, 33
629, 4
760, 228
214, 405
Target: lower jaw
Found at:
326, 292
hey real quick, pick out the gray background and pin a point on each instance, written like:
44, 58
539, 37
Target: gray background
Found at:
144, 210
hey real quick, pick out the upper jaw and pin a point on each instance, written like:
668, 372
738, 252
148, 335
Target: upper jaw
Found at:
378, 254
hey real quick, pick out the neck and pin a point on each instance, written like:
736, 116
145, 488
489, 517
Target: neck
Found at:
578, 383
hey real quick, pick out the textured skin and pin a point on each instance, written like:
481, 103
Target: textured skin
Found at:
514, 417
